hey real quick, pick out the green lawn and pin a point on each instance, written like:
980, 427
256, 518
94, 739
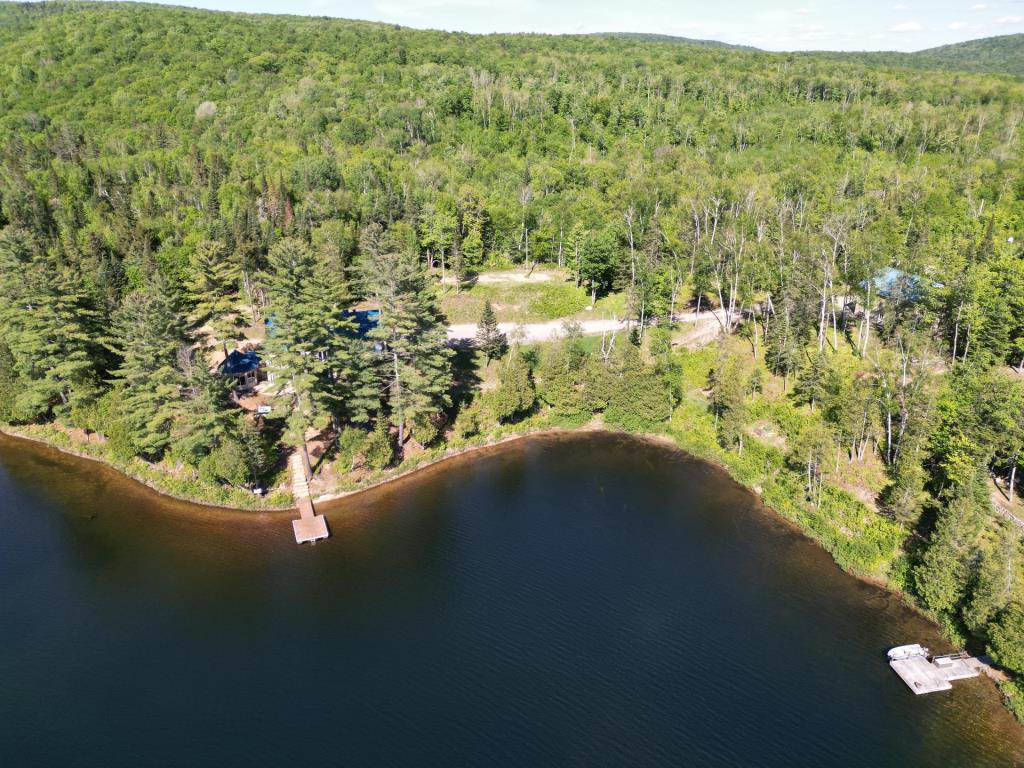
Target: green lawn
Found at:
516, 302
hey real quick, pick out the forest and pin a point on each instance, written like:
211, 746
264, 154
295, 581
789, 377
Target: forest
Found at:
176, 185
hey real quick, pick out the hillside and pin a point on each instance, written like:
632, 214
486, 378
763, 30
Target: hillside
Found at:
991, 54
995, 55
652, 37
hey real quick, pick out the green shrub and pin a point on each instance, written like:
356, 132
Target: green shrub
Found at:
639, 402
379, 448
227, 462
560, 300
427, 427
1013, 696
515, 395
350, 442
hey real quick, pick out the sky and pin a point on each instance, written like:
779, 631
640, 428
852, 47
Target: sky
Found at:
907, 25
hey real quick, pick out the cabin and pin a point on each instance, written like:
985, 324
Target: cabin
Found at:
243, 367
894, 283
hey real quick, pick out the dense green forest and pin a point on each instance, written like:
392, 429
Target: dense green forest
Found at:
177, 183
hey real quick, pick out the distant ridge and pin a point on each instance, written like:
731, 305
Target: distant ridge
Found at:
999, 55
989, 54
653, 37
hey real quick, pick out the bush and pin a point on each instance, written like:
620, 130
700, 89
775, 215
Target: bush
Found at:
1013, 696
1006, 638
227, 462
350, 441
555, 301
379, 448
467, 423
104, 416
427, 427
516, 394
639, 402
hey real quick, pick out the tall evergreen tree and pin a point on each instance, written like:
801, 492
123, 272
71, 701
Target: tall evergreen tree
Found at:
310, 342
212, 291
8, 383
412, 358
208, 419
489, 338
150, 338
48, 323
942, 575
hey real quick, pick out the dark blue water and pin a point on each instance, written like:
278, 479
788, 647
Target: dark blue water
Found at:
580, 601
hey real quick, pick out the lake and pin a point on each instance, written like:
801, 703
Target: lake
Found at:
580, 600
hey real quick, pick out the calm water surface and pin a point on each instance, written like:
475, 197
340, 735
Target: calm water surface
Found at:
579, 601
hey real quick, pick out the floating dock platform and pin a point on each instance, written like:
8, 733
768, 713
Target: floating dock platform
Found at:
310, 526
927, 674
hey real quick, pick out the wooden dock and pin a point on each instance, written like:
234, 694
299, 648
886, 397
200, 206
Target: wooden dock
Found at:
928, 674
310, 526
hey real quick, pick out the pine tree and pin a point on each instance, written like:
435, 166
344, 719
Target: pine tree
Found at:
150, 337
212, 290
411, 358
812, 386
782, 351
996, 580
207, 419
310, 343
561, 372
1006, 638
942, 574
489, 338
8, 383
49, 325
639, 399
729, 387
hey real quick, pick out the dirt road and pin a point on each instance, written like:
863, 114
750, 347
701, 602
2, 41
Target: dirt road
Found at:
554, 329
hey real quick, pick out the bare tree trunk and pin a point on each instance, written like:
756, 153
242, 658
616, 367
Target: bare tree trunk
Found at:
398, 402
956, 331
822, 316
867, 323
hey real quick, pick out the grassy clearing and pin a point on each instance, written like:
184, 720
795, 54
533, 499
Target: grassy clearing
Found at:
516, 302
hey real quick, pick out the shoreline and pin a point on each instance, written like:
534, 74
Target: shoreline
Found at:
663, 440
67, 451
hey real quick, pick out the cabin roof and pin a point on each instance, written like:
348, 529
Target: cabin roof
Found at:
239, 363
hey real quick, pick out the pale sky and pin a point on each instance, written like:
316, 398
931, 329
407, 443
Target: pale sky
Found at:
802, 24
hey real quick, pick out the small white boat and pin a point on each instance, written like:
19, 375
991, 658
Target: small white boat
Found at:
901, 652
